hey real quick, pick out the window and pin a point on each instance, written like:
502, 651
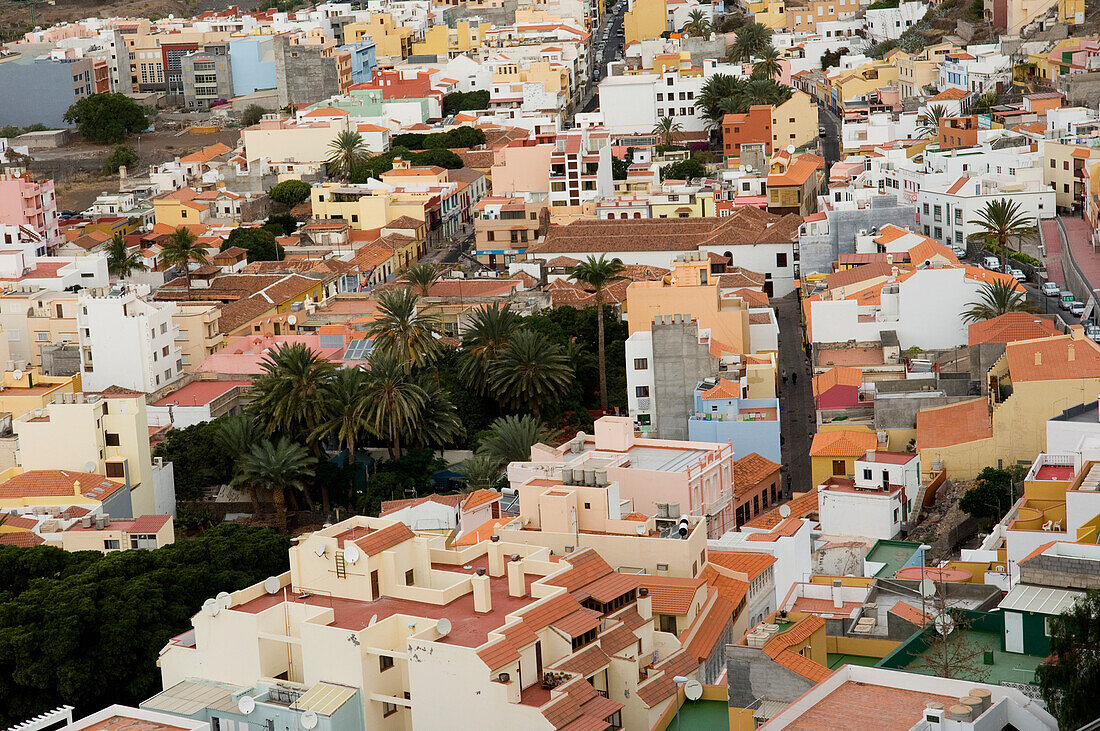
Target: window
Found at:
666, 623
781, 259
42, 336
1047, 624
895, 515
641, 391
385, 662
409, 578
146, 541
116, 469
641, 364
662, 567
388, 709
110, 545
588, 506
111, 439
1065, 164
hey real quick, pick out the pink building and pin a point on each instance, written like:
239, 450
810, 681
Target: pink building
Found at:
628, 475
30, 203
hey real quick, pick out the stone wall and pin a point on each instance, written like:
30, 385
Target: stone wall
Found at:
679, 363
1061, 571
753, 675
304, 76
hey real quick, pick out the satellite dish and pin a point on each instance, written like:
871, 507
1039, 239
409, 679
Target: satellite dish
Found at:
790, 149
352, 553
292, 320
272, 585
944, 623
373, 620
443, 627
928, 588
785, 510
640, 529
693, 689
246, 704
223, 599
320, 550
17, 374
89, 466
211, 607
309, 719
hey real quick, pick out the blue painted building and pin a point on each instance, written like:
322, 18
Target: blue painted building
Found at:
363, 60
751, 425
41, 90
252, 63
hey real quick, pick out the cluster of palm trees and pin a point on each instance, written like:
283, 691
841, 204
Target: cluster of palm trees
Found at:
723, 94
180, 249
1000, 222
698, 24
346, 151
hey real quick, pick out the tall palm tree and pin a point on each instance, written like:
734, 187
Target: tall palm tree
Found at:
510, 439
930, 120
394, 399
768, 67
667, 130
698, 24
530, 369
236, 435
754, 92
422, 275
344, 397
346, 151
120, 262
290, 397
488, 332
1000, 220
279, 467
403, 331
598, 273
710, 96
482, 472
995, 299
438, 424
180, 250
751, 41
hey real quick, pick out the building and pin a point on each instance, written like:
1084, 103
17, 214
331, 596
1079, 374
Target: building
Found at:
570, 168
722, 415
28, 491
877, 501
305, 74
833, 453
104, 534
776, 127
198, 402
756, 484
794, 182
26, 202
207, 76
40, 90
503, 227
128, 342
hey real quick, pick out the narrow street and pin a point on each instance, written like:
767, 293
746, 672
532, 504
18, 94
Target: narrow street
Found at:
797, 421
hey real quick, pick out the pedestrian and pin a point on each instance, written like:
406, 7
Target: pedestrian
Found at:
794, 377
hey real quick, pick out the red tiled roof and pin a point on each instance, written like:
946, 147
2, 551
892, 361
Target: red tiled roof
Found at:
751, 470
660, 684
778, 649
478, 498
384, 538
945, 426
1053, 359
837, 376
749, 563
1010, 327
58, 483
670, 594
801, 506
842, 443
25, 538
708, 628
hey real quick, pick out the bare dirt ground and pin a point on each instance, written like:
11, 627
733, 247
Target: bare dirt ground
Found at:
943, 517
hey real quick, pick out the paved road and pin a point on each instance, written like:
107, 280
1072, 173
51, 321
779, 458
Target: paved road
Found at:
831, 141
611, 51
797, 422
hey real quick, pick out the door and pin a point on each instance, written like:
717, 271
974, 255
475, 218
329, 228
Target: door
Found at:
1014, 632
375, 591
538, 660
838, 468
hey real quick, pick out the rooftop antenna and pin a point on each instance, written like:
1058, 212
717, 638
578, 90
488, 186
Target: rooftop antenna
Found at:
246, 704
640, 529
320, 550
373, 620
211, 607
272, 585
693, 689
224, 599
309, 720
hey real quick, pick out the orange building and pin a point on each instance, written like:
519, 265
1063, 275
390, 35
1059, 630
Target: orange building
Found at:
745, 129
958, 132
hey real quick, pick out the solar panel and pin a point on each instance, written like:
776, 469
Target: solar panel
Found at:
359, 349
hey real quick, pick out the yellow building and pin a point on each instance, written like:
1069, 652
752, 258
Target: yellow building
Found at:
33, 391
1033, 381
1071, 12
848, 85
918, 70
645, 19
443, 41
21, 490
178, 208
1063, 170
834, 451
199, 336
390, 39
794, 122
698, 204
280, 140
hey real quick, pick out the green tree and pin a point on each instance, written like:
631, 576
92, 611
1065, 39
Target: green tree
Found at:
709, 100
120, 262
345, 409
281, 224
832, 58
684, 170
756, 92
121, 156
402, 330
181, 249
107, 118
438, 424
197, 457
751, 40
279, 467
258, 242
1069, 680
991, 496
929, 122
395, 400
252, 114
436, 156
422, 275
768, 67
236, 435
469, 101
345, 152
667, 130
598, 273
482, 472
290, 192
995, 299
1001, 221
698, 24
487, 334
289, 397
620, 168
510, 439
529, 370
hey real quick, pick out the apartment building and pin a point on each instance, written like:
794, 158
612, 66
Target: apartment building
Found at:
776, 127
30, 203
128, 342
948, 205
568, 168
197, 333
106, 534
207, 76
921, 69
40, 89
504, 226
877, 501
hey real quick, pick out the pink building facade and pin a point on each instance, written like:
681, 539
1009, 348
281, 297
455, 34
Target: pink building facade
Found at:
30, 203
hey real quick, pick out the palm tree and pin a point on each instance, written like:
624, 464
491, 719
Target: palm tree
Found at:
236, 435
997, 298
530, 369
180, 250
598, 273
347, 151
395, 401
667, 130
402, 331
438, 424
279, 467
930, 120
768, 67
1001, 220
488, 332
751, 41
698, 24
757, 91
344, 408
422, 276
511, 437
713, 91
290, 397
120, 261
482, 472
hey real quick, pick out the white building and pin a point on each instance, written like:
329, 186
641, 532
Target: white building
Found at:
947, 204
884, 24
128, 342
977, 69
878, 129
876, 502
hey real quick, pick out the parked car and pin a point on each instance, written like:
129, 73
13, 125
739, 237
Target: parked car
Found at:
1093, 331
992, 263
1065, 299
1018, 274
959, 251
1051, 289
820, 131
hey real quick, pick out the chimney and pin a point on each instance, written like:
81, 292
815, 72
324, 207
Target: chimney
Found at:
122, 174
893, 271
870, 455
483, 601
76, 488
889, 258
496, 558
645, 603
1038, 358
1077, 332
838, 601
517, 587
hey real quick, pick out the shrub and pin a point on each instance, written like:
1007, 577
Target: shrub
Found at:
121, 155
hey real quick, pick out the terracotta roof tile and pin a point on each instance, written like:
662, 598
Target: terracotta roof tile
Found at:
578, 622
58, 483
842, 443
660, 685
1053, 359
391, 506
778, 649
733, 590
751, 470
478, 498
24, 538
1010, 327
585, 661
749, 563
617, 639
837, 376
671, 594
384, 539
723, 389
708, 627
910, 614
944, 426
802, 506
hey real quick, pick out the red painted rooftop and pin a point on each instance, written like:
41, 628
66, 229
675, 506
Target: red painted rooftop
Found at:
199, 393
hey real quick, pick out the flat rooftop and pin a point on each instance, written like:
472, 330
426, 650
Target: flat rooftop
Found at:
200, 393
129, 723
664, 459
1007, 666
829, 357
1055, 472
869, 708
895, 554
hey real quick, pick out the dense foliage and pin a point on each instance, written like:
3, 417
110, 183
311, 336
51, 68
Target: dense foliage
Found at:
684, 170
86, 628
458, 137
290, 192
121, 156
107, 118
258, 242
375, 166
1070, 680
197, 458
252, 114
464, 101
992, 494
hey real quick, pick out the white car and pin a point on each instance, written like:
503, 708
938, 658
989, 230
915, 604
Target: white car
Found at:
1051, 289
1077, 308
1018, 275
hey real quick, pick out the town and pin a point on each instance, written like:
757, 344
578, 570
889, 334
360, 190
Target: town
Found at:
568, 365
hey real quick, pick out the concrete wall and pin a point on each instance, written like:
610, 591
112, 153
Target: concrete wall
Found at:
252, 61
817, 253
679, 363
504, 15
36, 92
60, 360
303, 75
1061, 571
752, 675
